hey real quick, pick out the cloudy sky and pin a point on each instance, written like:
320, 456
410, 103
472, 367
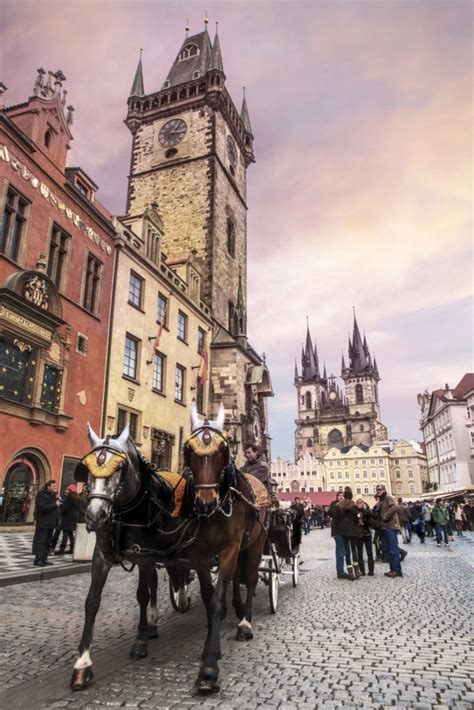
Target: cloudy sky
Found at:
362, 191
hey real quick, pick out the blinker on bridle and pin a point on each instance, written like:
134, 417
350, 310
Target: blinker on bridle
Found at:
209, 445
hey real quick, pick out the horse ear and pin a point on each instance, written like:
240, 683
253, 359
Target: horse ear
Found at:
220, 417
93, 438
123, 436
195, 421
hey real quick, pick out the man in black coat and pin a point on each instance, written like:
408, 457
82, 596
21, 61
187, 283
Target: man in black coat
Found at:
47, 504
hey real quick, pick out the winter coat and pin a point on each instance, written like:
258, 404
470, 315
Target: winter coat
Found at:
388, 513
70, 512
440, 515
363, 521
46, 510
345, 520
258, 468
403, 514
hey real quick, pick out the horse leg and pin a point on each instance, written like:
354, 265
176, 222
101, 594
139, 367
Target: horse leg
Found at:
250, 565
236, 598
140, 646
207, 590
206, 681
153, 609
82, 674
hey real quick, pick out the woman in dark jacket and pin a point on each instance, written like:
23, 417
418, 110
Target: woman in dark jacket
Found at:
346, 522
365, 539
69, 518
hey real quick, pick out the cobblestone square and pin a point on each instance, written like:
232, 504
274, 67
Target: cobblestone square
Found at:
375, 643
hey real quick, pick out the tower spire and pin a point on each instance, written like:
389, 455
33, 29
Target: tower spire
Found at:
215, 63
244, 114
138, 88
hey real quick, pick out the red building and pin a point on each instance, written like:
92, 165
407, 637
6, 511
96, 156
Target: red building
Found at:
56, 274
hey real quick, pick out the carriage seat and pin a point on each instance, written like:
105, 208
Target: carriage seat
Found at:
260, 491
177, 486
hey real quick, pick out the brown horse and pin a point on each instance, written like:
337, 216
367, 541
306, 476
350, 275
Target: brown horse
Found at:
232, 529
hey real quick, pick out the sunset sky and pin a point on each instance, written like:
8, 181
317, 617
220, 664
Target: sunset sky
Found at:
362, 190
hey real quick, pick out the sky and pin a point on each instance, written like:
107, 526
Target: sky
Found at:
361, 194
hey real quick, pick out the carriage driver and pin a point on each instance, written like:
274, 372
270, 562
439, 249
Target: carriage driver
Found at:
257, 466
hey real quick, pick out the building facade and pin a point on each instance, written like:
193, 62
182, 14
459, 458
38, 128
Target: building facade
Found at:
159, 345
56, 271
408, 469
190, 153
446, 423
330, 416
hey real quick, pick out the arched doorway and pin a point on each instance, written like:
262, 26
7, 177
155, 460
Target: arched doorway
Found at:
24, 475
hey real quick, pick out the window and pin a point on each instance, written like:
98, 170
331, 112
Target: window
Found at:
162, 310
179, 384
411, 487
125, 417
358, 490
380, 460
13, 224
309, 443
359, 394
357, 473
182, 325
399, 488
374, 488
373, 474
339, 463
17, 369
47, 138
308, 400
158, 372
130, 357
201, 341
200, 397
410, 473
365, 474
331, 475
382, 473
51, 389
333, 489
372, 462
135, 290
366, 490
347, 475
398, 474
340, 489
92, 284
408, 461
231, 238
58, 250
232, 316
339, 475
191, 50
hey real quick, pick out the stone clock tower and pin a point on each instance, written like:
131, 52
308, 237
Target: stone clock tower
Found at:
190, 154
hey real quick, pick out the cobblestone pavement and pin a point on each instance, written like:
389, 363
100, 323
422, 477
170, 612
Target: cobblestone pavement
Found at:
375, 643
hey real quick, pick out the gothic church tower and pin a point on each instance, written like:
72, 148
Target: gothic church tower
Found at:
190, 154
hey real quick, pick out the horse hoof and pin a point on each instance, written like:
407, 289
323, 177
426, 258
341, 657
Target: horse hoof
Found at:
139, 650
152, 632
81, 678
244, 634
207, 681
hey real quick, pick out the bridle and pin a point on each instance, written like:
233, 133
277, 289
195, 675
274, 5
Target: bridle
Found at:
103, 469
207, 446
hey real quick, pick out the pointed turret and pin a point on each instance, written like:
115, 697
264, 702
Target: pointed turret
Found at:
138, 88
240, 309
215, 62
343, 365
376, 370
310, 370
297, 377
325, 377
244, 115
357, 353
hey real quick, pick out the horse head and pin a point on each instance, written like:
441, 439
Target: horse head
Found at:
206, 452
111, 473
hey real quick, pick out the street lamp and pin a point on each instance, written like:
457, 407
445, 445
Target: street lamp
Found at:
234, 444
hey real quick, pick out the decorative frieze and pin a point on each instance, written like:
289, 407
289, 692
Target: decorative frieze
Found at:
23, 322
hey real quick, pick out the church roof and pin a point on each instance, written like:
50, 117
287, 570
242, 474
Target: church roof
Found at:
244, 115
197, 60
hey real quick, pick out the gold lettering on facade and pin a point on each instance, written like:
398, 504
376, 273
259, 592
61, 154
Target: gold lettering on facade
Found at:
24, 323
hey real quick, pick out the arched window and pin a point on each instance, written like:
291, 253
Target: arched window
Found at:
308, 400
47, 138
361, 428
231, 238
335, 439
191, 50
309, 442
359, 393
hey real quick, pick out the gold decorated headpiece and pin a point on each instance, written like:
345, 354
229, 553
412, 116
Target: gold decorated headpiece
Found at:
205, 448
106, 469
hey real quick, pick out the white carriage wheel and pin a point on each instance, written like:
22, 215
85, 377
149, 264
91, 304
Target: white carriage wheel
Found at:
274, 582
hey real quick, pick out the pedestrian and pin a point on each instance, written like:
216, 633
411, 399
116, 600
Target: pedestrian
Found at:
441, 519
458, 518
346, 522
404, 520
387, 512
418, 520
337, 536
306, 517
47, 505
428, 520
69, 519
365, 539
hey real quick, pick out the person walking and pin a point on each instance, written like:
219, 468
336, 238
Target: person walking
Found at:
387, 511
440, 518
459, 519
365, 539
404, 520
337, 536
418, 520
47, 505
69, 519
346, 522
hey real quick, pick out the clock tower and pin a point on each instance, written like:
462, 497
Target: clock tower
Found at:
190, 153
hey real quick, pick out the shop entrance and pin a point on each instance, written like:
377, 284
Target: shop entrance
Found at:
21, 485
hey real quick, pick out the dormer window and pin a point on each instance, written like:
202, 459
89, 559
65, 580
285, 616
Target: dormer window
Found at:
191, 50
166, 84
196, 75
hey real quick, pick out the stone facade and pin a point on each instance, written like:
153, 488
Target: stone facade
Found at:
190, 154
408, 469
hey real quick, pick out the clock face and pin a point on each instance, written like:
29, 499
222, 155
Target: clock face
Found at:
231, 151
172, 132
332, 396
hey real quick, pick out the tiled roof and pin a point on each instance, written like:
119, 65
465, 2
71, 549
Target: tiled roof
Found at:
465, 385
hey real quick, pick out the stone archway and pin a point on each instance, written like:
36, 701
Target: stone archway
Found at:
26, 472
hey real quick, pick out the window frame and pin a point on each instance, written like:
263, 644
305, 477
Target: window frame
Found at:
141, 282
182, 318
92, 291
53, 259
5, 242
133, 339
162, 357
182, 370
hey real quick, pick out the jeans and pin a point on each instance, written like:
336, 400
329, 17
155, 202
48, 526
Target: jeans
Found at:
340, 555
367, 542
441, 530
390, 543
350, 545
306, 525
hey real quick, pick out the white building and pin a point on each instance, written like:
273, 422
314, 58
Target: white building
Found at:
447, 425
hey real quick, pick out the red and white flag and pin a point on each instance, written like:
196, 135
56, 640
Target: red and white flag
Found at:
204, 365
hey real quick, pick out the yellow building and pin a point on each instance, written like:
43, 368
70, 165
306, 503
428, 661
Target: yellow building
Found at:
408, 469
160, 334
361, 468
